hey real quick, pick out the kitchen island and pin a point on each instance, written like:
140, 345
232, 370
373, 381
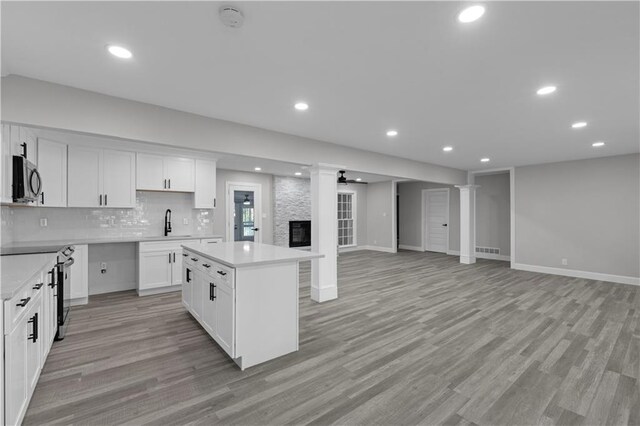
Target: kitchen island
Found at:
245, 295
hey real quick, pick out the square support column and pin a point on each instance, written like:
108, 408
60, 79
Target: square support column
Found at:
324, 232
467, 223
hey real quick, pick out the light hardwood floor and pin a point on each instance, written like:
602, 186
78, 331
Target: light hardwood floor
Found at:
412, 338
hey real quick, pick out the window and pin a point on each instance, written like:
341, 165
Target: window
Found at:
346, 219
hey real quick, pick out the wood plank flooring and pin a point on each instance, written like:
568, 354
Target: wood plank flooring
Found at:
414, 338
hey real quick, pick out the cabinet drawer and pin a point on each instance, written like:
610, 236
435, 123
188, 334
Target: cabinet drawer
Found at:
210, 240
16, 307
223, 274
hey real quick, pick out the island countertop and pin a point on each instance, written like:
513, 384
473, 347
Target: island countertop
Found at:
244, 253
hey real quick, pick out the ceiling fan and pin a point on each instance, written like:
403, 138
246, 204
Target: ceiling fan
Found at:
343, 180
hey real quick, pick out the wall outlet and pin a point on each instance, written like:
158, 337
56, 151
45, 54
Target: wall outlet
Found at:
185, 221
43, 222
103, 267
565, 262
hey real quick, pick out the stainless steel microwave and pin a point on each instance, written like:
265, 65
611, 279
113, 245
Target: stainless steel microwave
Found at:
27, 184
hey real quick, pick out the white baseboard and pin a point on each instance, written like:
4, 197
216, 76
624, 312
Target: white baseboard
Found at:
348, 249
324, 294
406, 247
468, 259
493, 256
453, 252
152, 291
578, 274
379, 248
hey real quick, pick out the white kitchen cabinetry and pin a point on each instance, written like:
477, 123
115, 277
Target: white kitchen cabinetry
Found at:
52, 165
23, 140
80, 275
162, 173
50, 308
101, 178
159, 266
205, 192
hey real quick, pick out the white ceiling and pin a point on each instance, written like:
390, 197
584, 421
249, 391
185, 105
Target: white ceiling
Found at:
363, 67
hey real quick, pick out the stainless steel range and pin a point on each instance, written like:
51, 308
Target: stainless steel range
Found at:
64, 289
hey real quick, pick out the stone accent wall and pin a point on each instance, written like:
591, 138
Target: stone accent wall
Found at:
292, 201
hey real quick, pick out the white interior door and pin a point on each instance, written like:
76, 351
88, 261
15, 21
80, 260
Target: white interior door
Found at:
436, 219
244, 212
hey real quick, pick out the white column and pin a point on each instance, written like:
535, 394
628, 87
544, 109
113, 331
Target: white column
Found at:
324, 232
467, 223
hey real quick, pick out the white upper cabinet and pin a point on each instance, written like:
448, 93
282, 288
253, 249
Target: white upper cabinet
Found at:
6, 166
119, 171
162, 173
101, 178
52, 165
23, 140
205, 193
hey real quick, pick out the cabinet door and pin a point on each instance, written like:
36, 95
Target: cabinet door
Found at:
80, 272
119, 187
84, 181
52, 165
209, 304
187, 285
150, 172
180, 174
196, 294
155, 269
50, 324
34, 322
6, 166
176, 268
225, 319
21, 138
205, 192
16, 376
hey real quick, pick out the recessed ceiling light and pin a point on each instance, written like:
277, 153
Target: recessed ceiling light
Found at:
470, 14
485, 160
257, 169
301, 106
298, 173
119, 51
579, 124
546, 90
597, 144
447, 148
358, 179
392, 133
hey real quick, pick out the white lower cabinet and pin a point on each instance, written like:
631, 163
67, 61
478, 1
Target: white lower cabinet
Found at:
159, 266
79, 286
30, 323
209, 295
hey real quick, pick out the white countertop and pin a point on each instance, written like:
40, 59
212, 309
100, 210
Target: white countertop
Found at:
239, 254
15, 271
52, 246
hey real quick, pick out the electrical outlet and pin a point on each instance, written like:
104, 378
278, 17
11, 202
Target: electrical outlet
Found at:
185, 221
43, 222
565, 262
103, 267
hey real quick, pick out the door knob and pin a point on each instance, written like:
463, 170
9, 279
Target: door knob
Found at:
444, 224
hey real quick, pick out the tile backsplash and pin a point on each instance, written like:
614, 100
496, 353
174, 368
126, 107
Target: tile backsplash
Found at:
146, 220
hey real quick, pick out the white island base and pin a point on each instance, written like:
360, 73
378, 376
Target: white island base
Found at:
245, 295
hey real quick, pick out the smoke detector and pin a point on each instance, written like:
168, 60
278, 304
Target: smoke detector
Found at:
231, 16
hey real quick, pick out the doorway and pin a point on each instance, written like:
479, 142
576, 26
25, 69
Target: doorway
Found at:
244, 213
435, 220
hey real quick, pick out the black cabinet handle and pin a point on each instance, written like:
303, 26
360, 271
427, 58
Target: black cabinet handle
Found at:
188, 275
185, 254
174, 257
212, 291
169, 257
24, 149
169, 183
195, 259
42, 197
255, 229
100, 199
38, 286
222, 273
214, 203
23, 302
34, 335
165, 184
444, 224
206, 265
105, 199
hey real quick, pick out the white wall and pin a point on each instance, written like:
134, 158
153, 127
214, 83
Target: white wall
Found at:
586, 211
6, 225
410, 213
266, 180
380, 215
493, 212
42, 104
122, 263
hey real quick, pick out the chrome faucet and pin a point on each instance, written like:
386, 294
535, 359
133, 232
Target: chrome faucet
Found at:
167, 222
